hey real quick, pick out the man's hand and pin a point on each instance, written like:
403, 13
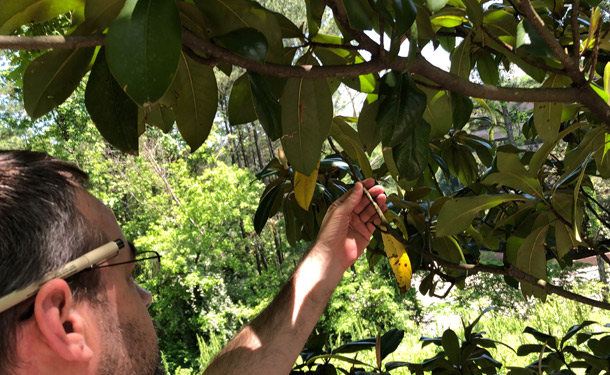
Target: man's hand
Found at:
349, 223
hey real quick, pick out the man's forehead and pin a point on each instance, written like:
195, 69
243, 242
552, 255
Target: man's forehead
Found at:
98, 214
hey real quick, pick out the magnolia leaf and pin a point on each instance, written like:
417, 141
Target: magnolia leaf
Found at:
460, 59
315, 11
289, 219
389, 342
247, 42
564, 239
197, 100
531, 258
406, 12
411, 156
399, 260
143, 48
457, 214
438, 113
114, 114
266, 106
461, 108
513, 174
474, 11
225, 16
349, 140
160, 117
448, 249
451, 346
436, 5
360, 14
241, 108
547, 116
304, 187
51, 78
100, 14
264, 207
368, 128
401, 110
488, 69
15, 13
307, 113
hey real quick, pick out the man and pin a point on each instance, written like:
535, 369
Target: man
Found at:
96, 321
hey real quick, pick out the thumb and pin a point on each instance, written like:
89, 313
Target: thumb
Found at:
352, 199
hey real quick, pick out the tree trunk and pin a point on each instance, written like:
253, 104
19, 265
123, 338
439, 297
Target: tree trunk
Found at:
278, 247
243, 149
508, 124
258, 150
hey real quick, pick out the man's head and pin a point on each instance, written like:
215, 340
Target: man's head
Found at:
96, 321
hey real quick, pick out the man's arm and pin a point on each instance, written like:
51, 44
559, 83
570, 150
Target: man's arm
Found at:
271, 343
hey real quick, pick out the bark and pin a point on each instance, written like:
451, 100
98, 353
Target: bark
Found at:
508, 124
242, 148
258, 149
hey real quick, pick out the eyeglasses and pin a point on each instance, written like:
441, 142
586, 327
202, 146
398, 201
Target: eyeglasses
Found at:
147, 266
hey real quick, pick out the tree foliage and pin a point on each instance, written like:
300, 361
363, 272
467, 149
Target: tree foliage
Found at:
529, 204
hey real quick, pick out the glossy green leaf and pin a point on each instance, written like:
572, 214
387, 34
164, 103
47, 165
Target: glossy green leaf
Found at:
289, 219
315, 11
448, 249
349, 140
451, 346
475, 12
457, 214
224, 16
143, 48
607, 80
411, 156
266, 106
51, 78
337, 56
461, 108
513, 174
488, 69
531, 258
15, 13
197, 100
390, 341
241, 108
368, 129
564, 239
114, 114
264, 207
307, 113
447, 20
550, 341
574, 330
436, 5
406, 12
247, 42
531, 42
360, 14
601, 145
100, 13
438, 113
547, 116
460, 59
160, 117
401, 109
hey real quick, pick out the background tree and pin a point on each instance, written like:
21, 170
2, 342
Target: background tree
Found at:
529, 206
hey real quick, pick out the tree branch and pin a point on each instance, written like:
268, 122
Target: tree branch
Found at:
514, 272
575, 31
419, 66
50, 42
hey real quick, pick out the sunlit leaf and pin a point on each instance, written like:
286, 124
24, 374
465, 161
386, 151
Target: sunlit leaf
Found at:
457, 214
143, 48
15, 13
460, 59
531, 258
315, 11
399, 260
547, 115
304, 187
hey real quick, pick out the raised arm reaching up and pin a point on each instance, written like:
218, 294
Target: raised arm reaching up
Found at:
271, 343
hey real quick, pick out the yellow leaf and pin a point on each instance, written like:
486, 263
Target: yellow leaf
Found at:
304, 186
399, 260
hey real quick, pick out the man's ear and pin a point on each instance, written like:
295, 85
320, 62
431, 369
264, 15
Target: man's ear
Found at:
60, 322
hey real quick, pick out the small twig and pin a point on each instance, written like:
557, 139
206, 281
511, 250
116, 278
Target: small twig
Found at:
346, 158
575, 31
595, 53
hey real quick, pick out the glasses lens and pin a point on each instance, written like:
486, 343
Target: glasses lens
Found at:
147, 266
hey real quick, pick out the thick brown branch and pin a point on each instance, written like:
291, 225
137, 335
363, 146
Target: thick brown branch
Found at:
50, 42
515, 273
571, 65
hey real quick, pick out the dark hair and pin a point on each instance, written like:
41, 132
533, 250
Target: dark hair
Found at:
40, 231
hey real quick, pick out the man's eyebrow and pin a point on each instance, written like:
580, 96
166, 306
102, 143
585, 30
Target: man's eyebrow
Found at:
133, 250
